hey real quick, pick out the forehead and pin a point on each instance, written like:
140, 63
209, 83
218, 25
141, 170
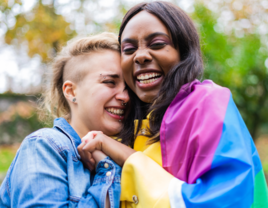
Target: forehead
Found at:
93, 63
143, 24
103, 62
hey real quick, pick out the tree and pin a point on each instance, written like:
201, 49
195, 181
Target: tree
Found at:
237, 63
44, 31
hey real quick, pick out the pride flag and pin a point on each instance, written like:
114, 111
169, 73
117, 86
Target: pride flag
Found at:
206, 144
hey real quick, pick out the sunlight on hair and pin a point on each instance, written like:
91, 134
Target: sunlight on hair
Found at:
53, 103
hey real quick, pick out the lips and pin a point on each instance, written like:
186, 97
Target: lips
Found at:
148, 79
116, 112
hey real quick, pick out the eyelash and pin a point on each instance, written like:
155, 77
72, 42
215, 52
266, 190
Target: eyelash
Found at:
156, 45
109, 82
129, 50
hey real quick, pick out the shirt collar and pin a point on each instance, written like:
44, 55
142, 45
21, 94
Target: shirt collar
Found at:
62, 125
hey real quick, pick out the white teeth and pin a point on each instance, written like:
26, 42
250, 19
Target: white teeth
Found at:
115, 111
148, 81
147, 76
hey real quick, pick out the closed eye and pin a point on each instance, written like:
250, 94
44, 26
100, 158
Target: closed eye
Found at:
109, 82
157, 45
129, 50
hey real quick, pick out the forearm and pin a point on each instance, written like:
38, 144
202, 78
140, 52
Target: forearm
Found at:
111, 148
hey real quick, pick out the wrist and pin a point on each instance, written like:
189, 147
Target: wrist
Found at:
108, 165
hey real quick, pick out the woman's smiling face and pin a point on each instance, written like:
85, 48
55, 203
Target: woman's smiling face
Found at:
147, 55
101, 93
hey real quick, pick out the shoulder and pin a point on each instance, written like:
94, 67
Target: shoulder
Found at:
209, 90
48, 138
200, 100
210, 97
202, 96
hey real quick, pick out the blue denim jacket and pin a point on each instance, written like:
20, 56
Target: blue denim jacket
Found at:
47, 172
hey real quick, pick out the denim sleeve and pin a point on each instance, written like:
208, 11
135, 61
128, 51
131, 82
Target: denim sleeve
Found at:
39, 178
107, 181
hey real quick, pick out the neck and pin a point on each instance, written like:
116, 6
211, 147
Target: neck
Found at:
79, 127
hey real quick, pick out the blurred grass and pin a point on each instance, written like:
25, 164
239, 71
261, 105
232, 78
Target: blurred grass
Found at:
6, 159
7, 154
265, 167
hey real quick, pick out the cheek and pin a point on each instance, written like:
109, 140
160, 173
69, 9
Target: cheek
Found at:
127, 67
169, 59
94, 98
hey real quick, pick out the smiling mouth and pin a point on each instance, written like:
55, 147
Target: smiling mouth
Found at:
115, 111
147, 78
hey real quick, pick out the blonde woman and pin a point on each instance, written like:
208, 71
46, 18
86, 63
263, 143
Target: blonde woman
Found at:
87, 93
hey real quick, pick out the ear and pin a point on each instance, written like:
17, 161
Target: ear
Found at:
69, 90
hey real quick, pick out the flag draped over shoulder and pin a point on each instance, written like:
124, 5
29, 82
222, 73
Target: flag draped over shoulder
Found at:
205, 143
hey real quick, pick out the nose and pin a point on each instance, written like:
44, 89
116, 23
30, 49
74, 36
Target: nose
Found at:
142, 56
122, 96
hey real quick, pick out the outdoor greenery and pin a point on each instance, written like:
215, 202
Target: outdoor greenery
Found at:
233, 41
7, 154
236, 63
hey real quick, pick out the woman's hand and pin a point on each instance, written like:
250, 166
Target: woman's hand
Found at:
114, 149
90, 160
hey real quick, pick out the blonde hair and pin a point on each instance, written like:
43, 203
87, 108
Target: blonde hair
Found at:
54, 103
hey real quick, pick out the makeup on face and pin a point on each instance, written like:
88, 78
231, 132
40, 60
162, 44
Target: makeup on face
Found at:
147, 55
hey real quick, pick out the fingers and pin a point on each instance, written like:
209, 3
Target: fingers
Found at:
80, 148
86, 157
91, 161
94, 144
89, 136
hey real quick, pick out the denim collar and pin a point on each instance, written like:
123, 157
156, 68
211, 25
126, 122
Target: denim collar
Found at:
62, 125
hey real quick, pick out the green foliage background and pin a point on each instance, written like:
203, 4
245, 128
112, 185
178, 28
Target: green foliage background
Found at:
237, 63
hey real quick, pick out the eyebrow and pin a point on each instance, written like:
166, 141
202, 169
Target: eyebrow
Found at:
130, 40
155, 34
110, 75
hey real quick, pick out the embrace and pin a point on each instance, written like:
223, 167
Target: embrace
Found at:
135, 127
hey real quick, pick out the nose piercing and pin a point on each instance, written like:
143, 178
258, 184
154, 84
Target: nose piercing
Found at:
123, 103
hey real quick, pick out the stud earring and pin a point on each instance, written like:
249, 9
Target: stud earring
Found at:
74, 99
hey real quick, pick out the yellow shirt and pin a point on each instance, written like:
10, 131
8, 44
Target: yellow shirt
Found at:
144, 182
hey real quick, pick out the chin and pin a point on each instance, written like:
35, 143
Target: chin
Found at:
147, 98
113, 131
